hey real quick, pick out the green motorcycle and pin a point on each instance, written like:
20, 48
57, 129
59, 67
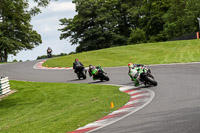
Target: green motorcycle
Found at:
144, 75
99, 73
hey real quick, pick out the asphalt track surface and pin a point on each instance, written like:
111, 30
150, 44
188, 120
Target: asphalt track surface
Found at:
175, 108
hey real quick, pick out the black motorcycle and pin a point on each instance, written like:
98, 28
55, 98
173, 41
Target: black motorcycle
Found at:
147, 78
49, 55
81, 72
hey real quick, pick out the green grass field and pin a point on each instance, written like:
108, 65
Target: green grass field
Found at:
149, 53
59, 107
56, 107
3, 62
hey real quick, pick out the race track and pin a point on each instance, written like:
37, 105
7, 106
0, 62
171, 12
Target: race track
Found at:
175, 108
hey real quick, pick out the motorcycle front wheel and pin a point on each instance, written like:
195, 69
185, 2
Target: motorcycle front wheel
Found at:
151, 81
105, 77
78, 75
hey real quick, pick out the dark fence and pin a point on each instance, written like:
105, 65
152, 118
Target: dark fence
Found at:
186, 37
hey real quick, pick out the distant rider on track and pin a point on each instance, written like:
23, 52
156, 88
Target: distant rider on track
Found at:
49, 52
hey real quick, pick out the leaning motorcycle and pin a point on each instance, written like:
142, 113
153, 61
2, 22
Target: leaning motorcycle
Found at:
100, 74
81, 72
144, 75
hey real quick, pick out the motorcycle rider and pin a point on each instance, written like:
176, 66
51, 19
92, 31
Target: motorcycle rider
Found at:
140, 73
91, 71
49, 51
134, 72
77, 65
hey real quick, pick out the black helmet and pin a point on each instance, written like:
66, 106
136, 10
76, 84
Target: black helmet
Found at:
90, 66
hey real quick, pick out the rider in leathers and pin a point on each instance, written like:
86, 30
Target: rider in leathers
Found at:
134, 72
49, 52
77, 65
90, 71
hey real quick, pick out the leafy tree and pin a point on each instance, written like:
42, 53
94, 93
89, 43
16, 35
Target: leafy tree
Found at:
101, 24
151, 21
95, 26
137, 36
181, 18
40, 3
16, 32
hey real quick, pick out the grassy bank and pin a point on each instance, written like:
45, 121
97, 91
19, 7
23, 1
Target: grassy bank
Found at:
151, 53
56, 107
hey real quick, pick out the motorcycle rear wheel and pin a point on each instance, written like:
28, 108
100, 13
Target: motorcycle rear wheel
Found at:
84, 75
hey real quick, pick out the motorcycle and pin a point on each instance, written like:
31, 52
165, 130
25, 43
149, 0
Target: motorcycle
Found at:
100, 74
49, 55
81, 72
146, 77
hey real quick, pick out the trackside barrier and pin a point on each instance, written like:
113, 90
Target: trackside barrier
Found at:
4, 85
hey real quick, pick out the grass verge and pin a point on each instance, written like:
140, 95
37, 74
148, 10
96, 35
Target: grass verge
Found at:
56, 107
149, 53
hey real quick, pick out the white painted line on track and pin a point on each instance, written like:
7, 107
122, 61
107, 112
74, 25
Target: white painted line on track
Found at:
137, 91
137, 101
125, 88
123, 110
137, 109
39, 66
139, 95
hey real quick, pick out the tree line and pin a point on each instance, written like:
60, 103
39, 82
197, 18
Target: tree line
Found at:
16, 32
100, 23
107, 23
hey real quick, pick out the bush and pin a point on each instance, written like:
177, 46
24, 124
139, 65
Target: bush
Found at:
158, 38
72, 53
45, 56
137, 36
42, 57
14, 60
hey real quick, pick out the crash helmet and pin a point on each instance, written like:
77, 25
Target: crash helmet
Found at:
91, 66
76, 59
130, 65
